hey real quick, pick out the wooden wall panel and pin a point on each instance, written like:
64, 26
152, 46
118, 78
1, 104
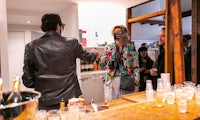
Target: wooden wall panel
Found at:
179, 67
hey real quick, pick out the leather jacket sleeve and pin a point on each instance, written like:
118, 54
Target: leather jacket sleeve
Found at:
28, 69
83, 54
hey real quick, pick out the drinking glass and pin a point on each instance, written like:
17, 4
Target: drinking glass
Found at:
73, 112
149, 85
197, 94
82, 111
189, 90
160, 84
159, 93
53, 115
188, 83
41, 115
170, 97
182, 103
159, 98
182, 106
197, 98
64, 113
149, 91
165, 78
178, 90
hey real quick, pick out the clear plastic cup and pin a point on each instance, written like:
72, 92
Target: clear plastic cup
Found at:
170, 97
189, 90
149, 85
178, 88
64, 113
197, 94
197, 98
41, 115
182, 106
165, 77
82, 111
182, 103
160, 84
159, 98
53, 115
188, 83
73, 112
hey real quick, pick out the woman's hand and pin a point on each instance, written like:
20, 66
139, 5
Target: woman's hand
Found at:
136, 89
153, 71
94, 50
142, 69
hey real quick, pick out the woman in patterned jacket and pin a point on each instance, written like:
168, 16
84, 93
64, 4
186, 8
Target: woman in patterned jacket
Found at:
119, 59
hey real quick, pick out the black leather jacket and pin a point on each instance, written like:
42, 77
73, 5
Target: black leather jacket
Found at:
50, 68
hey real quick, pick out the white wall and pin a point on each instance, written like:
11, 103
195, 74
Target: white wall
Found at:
144, 33
187, 25
16, 47
17, 41
4, 45
100, 18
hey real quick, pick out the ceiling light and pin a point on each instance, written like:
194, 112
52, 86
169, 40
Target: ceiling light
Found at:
28, 21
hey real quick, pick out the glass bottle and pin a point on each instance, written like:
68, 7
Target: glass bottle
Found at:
1, 94
97, 39
15, 96
62, 104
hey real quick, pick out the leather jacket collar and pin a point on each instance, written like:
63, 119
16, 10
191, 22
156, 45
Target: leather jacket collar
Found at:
51, 32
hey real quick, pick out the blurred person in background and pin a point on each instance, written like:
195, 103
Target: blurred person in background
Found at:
158, 66
145, 45
145, 64
50, 64
187, 58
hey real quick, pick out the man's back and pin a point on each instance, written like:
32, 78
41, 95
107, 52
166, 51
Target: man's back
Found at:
50, 65
54, 54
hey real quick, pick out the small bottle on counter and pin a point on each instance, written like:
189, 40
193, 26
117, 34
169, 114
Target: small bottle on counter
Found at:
15, 96
62, 104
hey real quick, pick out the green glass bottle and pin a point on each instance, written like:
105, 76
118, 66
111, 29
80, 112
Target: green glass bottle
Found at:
15, 96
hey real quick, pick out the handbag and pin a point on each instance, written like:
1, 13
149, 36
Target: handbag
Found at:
127, 83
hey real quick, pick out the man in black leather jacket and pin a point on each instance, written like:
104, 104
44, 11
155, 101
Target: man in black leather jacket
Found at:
50, 64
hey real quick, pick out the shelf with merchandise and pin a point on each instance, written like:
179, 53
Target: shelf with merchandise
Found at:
88, 67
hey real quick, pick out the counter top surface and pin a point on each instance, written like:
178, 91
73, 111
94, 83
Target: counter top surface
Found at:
135, 107
93, 72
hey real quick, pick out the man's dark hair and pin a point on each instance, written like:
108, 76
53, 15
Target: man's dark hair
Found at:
50, 21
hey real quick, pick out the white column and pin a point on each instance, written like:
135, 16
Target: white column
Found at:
27, 35
69, 17
4, 46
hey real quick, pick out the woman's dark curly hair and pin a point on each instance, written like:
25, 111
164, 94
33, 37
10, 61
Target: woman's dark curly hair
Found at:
50, 21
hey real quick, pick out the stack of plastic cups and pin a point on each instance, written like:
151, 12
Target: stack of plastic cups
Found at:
197, 94
149, 91
178, 90
166, 84
166, 81
189, 88
159, 93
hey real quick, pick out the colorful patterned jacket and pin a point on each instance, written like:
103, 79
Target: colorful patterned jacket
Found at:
129, 66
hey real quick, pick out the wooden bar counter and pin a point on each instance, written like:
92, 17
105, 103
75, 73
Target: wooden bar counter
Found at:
135, 107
